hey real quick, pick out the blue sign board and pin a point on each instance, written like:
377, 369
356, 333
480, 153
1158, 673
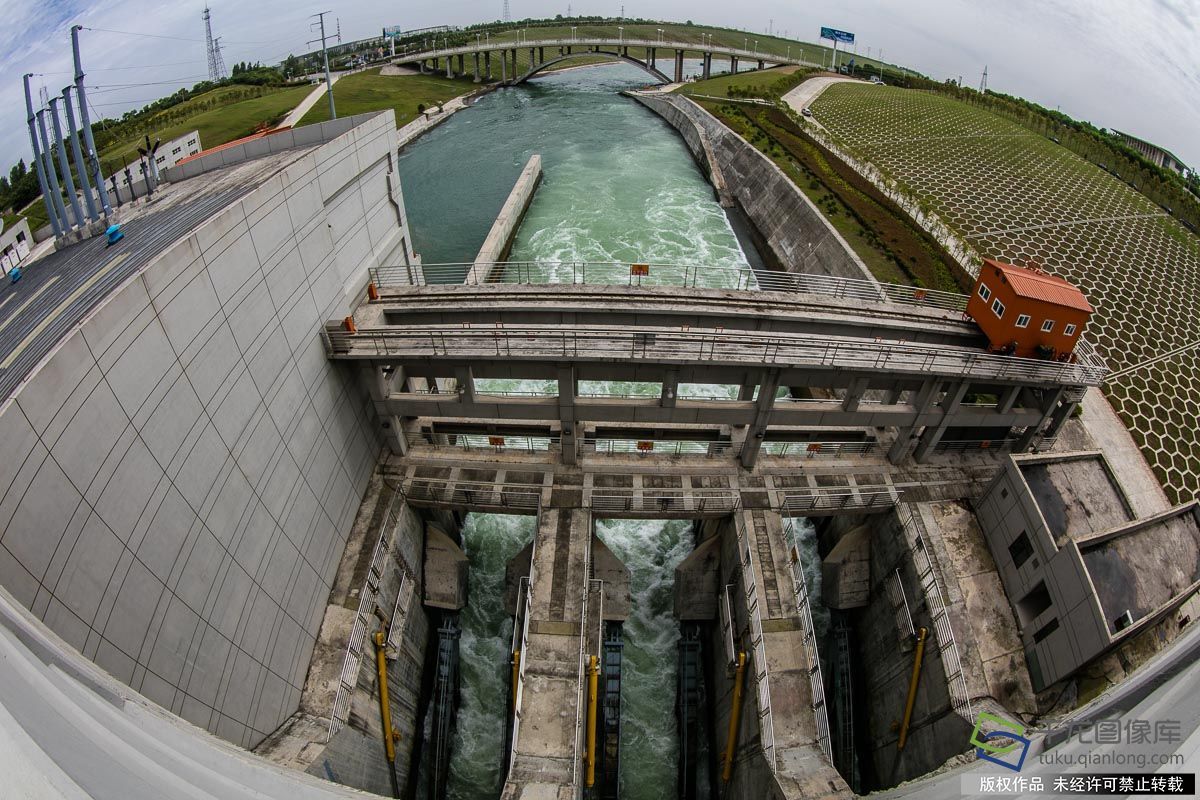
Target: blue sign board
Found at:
837, 36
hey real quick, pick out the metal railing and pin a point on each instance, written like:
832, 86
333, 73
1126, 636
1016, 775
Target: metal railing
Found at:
973, 445
581, 675
522, 497
608, 273
484, 442
692, 501
931, 589
660, 447
820, 449
585, 41
766, 721
809, 639
904, 623
659, 345
802, 501
348, 678
525, 608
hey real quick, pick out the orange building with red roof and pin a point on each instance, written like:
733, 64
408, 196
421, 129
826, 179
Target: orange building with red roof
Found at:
1027, 312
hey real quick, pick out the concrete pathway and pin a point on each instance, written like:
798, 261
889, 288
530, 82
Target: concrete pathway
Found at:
804, 94
429, 120
297, 113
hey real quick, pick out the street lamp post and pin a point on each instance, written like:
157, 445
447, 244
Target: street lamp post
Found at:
574, 33
620, 34
660, 33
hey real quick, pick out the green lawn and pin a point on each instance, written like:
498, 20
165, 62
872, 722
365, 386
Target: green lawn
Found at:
370, 91
744, 84
218, 120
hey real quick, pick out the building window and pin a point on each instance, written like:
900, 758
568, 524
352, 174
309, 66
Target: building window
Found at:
1023, 321
1048, 326
1069, 330
1020, 549
20, 236
998, 309
191, 142
1044, 631
177, 151
1034, 604
985, 292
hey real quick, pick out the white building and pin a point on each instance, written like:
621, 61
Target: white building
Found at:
14, 244
177, 149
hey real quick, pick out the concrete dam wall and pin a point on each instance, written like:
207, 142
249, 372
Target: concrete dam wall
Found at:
182, 471
794, 235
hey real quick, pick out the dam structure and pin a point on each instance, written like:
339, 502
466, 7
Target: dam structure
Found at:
294, 512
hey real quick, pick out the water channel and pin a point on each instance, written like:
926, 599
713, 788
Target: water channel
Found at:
618, 185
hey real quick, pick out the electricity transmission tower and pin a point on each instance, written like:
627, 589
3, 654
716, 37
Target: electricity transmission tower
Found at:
320, 23
983, 81
219, 58
507, 15
216, 66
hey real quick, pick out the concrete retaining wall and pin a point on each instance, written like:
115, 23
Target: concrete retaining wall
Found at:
795, 237
182, 471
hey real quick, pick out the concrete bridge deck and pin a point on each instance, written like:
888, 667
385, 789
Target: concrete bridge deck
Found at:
617, 47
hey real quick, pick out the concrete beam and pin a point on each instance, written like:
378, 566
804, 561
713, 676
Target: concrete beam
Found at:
767, 386
933, 434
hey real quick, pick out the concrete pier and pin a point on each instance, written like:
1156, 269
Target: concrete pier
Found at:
562, 624
499, 239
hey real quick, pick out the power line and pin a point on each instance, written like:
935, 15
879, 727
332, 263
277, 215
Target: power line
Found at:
173, 38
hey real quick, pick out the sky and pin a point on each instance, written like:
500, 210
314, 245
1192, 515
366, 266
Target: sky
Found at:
1132, 65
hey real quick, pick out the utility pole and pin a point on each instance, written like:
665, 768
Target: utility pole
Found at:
320, 23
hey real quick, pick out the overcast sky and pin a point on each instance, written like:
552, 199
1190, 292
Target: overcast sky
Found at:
1133, 65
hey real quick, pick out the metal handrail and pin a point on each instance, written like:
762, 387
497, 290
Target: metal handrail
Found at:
819, 449
766, 721
601, 41
802, 501
705, 276
662, 345
660, 447
809, 639
931, 589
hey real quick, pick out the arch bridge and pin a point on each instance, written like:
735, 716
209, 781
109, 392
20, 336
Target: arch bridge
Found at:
545, 52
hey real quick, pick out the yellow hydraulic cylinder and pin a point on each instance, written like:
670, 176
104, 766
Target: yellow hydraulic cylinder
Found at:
385, 707
912, 688
516, 676
593, 691
735, 714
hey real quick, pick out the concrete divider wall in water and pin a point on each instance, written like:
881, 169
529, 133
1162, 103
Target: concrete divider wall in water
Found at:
500, 238
793, 235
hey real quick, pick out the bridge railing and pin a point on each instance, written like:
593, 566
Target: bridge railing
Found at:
809, 633
808, 450
494, 44
702, 276
823, 352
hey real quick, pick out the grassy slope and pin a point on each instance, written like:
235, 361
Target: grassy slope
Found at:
370, 91
217, 124
894, 249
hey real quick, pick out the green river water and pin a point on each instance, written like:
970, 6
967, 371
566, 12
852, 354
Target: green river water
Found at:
618, 185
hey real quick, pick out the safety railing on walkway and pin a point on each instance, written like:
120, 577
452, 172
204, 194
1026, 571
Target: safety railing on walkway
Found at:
650, 274
368, 597
484, 442
766, 719
521, 628
935, 600
976, 445
808, 450
660, 447
519, 497
809, 638
815, 500
707, 502
656, 345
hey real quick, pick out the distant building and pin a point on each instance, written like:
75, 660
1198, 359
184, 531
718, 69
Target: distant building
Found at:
177, 149
1158, 155
1041, 314
15, 242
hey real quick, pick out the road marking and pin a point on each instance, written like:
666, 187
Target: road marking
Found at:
5, 302
109, 267
25, 305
